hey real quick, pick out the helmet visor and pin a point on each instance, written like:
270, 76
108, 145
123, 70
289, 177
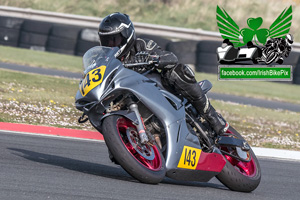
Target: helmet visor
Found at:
115, 40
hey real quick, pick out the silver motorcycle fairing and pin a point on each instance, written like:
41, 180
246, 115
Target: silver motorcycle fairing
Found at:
156, 100
172, 118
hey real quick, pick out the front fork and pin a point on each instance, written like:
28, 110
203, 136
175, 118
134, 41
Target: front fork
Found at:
140, 127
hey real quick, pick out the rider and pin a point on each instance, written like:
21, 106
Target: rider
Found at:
117, 30
280, 45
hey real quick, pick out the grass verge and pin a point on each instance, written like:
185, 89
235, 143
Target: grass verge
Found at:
44, 100
257, 89
41, 59
263, 127
38, 99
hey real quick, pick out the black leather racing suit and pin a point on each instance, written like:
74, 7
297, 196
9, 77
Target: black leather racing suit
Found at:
178, 77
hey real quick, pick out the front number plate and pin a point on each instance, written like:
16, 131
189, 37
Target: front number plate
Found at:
91, 80
189, 158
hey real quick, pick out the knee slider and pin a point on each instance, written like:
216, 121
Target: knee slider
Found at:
185, 73
183, 79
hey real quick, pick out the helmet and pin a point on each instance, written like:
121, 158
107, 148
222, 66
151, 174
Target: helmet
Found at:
289, 38
116, 30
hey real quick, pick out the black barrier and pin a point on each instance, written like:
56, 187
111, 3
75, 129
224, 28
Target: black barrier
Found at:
88, 38
76, 40
34, 34
63, 39
162, 42
184, 50
10, 30
206, 56
293, 60
296, 75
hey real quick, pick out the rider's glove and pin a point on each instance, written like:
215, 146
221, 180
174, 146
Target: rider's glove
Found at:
154, 60
145, 57
142, 57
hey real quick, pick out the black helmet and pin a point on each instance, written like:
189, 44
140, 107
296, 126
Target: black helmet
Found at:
289, 38
116, 30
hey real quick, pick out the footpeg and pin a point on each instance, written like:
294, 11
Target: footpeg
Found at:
233, 142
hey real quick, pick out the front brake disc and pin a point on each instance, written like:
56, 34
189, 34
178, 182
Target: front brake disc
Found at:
145, 150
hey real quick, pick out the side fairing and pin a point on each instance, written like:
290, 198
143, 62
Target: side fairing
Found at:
155, 100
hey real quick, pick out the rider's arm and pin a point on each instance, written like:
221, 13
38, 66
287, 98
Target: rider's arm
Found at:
166, 59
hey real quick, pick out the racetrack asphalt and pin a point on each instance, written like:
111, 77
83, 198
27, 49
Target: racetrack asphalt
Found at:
36, 167
96, 136
216, 96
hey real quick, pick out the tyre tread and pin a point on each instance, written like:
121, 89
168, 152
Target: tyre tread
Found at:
234, 180
124, 158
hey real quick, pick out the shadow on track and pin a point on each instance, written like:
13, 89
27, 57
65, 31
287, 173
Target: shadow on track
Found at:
75, 165
106, 171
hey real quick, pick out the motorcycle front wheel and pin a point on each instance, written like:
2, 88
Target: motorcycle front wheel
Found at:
238, 175
144, 162
271, 57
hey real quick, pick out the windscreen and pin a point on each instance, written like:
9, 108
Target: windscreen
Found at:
96, 55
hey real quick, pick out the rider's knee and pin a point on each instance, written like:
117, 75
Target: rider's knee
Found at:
182, 73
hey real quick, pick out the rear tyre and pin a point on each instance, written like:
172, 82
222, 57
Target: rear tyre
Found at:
143, 162
237, 175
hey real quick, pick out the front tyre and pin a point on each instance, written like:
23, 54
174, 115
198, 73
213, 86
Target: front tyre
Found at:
143, 162
238, 175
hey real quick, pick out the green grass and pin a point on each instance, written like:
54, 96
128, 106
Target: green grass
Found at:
41, 59
30, 88
264, 90
263, 127
38, 99
200, 14
256, 89
45, 100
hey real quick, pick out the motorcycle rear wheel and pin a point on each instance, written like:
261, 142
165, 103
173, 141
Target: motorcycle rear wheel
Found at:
144, 162
238, 175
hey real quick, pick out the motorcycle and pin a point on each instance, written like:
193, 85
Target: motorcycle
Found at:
228, 54
153, 133
275, 49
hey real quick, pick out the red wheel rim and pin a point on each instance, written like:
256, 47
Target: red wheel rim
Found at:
155, 164
245, 168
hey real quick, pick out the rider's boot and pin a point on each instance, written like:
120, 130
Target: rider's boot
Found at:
208, 112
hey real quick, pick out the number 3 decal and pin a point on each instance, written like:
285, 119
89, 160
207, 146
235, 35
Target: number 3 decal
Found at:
97, 73
189, 158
